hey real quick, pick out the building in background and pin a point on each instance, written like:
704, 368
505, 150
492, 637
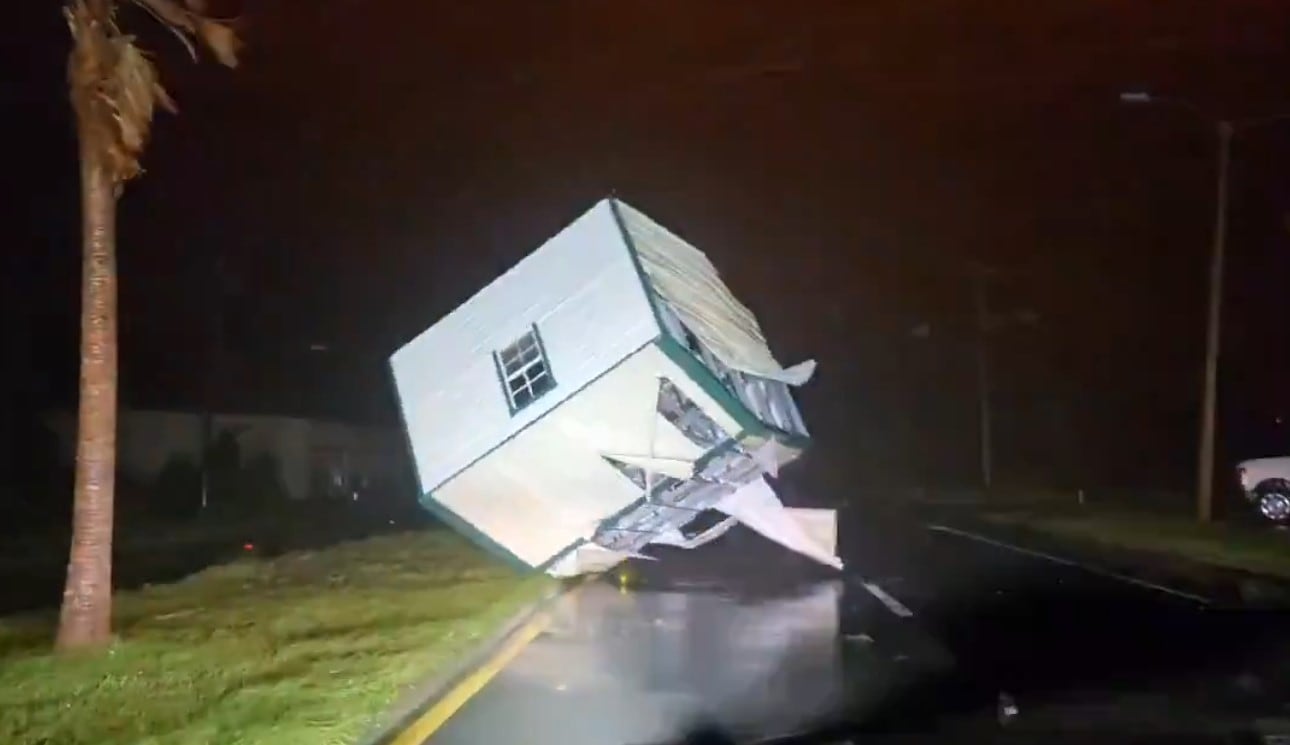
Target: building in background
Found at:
314, 458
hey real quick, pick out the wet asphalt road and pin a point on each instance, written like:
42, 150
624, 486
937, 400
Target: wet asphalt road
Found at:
922, 634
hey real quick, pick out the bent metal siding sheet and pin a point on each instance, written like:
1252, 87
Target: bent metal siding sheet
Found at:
691, 285
581, 289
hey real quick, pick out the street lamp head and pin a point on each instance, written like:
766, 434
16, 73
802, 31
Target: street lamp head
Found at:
1135, 97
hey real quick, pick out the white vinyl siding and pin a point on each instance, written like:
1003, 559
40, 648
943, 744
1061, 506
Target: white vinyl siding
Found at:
550, 485
582, 292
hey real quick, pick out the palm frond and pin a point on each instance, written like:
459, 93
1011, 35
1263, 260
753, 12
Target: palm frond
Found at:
178, 32
115, 86
189, 22
114, 89
221, 39
134, 93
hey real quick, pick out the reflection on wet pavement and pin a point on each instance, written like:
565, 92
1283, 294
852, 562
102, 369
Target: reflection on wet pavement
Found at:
625, 667
927, 638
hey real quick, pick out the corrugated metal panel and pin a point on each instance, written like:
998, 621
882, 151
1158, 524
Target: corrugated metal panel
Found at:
692, 287
585, 295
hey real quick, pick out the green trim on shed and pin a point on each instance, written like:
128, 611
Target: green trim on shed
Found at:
561, 554
694, 367
725, 398
473, 534
699, 373
646, 286
440, 511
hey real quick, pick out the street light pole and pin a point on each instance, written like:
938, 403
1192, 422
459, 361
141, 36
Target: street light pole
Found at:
1213, 331
983, 379
1226, 129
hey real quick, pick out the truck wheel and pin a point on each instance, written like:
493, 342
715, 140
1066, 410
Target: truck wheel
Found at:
1274, 500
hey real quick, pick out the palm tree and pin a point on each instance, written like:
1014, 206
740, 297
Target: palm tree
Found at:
114, 91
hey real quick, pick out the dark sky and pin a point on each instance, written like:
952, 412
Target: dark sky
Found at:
375, 162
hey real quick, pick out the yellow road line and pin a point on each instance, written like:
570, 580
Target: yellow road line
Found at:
428, 723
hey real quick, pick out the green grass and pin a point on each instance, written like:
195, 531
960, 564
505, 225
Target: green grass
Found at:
1172, 535
312, 647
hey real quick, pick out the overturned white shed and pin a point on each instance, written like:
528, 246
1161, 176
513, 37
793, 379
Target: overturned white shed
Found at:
597, 398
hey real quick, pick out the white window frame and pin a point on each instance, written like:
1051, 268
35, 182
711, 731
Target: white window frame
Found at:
528, 370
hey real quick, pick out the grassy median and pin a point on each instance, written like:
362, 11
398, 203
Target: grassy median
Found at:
1248, 548
311, 647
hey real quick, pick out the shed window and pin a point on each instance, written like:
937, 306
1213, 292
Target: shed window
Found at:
523, 368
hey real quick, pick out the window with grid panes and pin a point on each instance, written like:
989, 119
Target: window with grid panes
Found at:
525, 373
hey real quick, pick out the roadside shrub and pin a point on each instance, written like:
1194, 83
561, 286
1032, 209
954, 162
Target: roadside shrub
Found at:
177, 491
262, 481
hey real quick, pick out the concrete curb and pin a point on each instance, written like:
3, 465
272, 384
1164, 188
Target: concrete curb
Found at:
412, 705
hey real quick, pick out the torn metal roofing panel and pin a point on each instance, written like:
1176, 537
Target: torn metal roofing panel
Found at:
684, 277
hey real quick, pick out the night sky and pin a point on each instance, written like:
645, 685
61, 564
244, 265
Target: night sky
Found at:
375, 162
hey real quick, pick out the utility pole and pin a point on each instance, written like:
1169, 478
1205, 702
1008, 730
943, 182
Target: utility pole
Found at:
1225, 129
979, 275
1213, 331
214, 367
986, 322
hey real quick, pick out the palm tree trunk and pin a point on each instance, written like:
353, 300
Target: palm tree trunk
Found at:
86, 618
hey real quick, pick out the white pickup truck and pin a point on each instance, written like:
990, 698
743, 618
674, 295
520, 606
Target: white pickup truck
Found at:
1266, 484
